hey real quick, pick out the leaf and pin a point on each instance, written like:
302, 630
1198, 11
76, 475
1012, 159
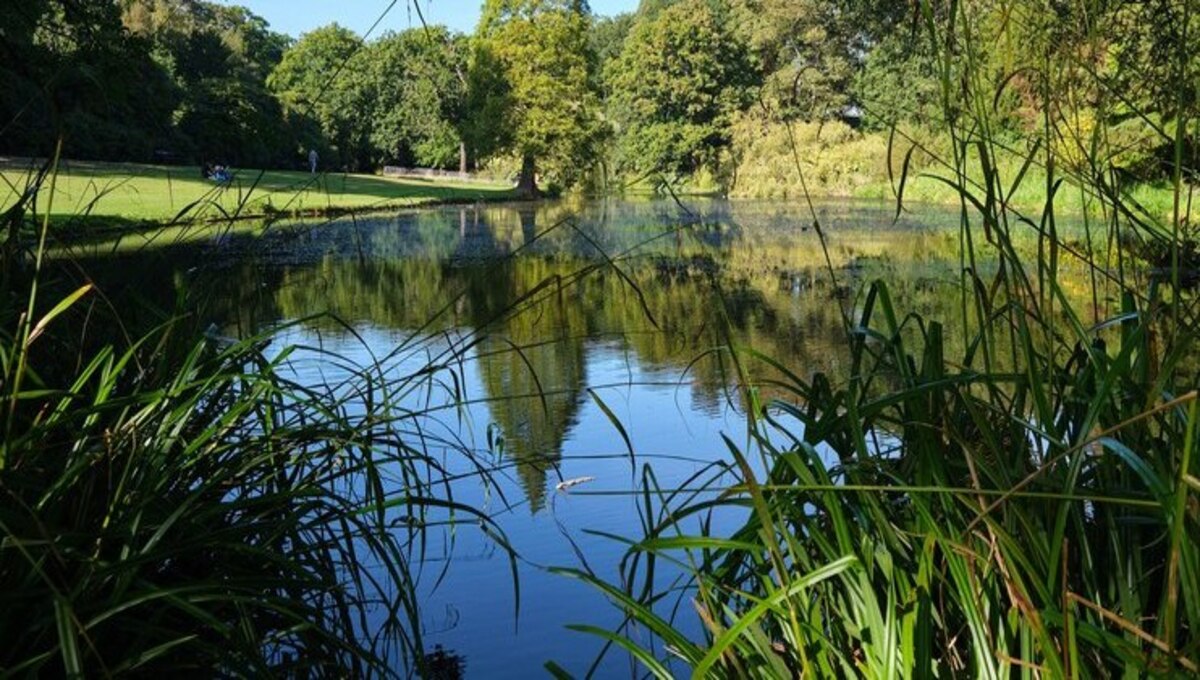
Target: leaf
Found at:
748, 619
612, 418
61, 307
698, 543
903, 183
68, 643
652, 664
641, 613
557, 671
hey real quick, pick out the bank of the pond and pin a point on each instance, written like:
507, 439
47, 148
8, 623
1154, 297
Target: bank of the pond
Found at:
927, 188
96, 198
774, 161
86, 229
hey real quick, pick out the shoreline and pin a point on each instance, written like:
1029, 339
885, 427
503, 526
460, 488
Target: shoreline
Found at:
72, 230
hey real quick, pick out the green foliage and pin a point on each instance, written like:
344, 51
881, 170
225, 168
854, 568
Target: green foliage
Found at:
192, 80
679, 79
218, 59
898, 84
234, 122
173, 513
1144, 62
1016, 506
397, 100
418, 97
489, 105
690, 68
324, 76
835, 160
808, 50
607, 38
70, 69
532, 89
127, 80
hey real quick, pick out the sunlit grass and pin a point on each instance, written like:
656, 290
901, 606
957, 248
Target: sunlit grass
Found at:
162, 193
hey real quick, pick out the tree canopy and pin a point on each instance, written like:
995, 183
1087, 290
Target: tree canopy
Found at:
532, 91
418, 80
677, 83
322, 76
70, 68
679, 87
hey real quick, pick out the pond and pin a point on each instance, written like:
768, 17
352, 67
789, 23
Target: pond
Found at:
582, 341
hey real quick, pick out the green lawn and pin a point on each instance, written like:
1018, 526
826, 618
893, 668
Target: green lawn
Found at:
161, 193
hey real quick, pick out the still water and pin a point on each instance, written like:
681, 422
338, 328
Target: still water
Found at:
555, 320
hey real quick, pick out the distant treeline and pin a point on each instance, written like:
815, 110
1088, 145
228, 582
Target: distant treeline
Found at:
194, 81
126, 80
702, 90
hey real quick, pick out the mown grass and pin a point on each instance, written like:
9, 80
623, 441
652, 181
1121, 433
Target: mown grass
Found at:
158, 193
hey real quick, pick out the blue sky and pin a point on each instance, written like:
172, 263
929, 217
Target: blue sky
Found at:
298, 16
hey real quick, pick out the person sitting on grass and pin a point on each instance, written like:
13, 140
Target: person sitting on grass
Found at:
217, 173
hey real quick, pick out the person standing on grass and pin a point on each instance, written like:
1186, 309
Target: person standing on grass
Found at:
312, 161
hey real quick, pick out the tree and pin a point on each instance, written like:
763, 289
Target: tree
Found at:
234, 120
810, 50
607, 39
218, 58
1148, 80
418, 90
677, 83
530, 87
70, 68
898, 82
324, 76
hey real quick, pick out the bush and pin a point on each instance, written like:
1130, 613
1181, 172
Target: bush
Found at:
836, 160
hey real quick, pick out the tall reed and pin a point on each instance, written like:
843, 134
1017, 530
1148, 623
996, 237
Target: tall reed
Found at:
1025, 509
172, 500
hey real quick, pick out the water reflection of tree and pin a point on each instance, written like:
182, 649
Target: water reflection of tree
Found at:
697, 320
716, 286
532, 357
443, 664
535, 392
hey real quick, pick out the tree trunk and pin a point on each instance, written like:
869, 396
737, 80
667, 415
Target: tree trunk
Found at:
527, 184
462, 157
528, 217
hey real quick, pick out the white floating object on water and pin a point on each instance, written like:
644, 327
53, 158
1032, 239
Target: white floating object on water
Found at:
566, 484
